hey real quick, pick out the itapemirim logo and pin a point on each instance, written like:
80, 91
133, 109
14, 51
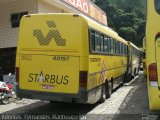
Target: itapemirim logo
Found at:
53, 33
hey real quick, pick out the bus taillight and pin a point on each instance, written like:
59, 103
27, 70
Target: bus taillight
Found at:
83, 79
17, 74
153, 78
157, 36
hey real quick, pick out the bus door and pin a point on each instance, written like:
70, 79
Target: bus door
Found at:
158, 56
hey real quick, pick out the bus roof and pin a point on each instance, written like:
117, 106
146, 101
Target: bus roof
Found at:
133, 45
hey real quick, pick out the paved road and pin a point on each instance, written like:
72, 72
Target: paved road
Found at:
103, 111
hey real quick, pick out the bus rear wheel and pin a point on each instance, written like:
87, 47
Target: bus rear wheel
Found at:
128, 77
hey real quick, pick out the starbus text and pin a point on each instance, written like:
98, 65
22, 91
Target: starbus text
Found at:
50, 79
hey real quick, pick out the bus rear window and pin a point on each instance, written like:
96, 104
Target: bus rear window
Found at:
157, 5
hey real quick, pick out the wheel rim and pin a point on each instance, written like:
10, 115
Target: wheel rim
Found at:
104, 93
110, 88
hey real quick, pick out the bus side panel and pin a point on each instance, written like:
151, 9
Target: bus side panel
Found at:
105, 67
152, 53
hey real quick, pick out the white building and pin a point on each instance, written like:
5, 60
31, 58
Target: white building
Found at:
11, 12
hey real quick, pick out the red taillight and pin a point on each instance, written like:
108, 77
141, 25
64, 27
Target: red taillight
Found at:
153, 72
157, 36
83, 79
17, 74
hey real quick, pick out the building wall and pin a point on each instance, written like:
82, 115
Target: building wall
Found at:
44, 7
9, 35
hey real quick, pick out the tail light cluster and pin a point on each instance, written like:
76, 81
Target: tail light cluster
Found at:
153, 76
83, 79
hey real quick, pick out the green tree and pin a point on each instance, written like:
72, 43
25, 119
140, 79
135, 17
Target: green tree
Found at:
126, 17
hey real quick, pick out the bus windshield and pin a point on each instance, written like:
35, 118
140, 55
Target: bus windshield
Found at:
157, 5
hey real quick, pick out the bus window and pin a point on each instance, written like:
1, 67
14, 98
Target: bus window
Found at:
157, 5
121, 48
102, 42
125, 50
117, 47
92, 40
106, 44
112, 46
109, 45
97, 42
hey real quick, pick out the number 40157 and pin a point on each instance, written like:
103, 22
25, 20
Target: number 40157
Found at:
61, 58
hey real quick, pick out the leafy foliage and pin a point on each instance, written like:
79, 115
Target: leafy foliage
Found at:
126, 17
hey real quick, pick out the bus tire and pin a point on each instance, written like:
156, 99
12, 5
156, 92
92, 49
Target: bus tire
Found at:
103, 94
109, 89
127, 78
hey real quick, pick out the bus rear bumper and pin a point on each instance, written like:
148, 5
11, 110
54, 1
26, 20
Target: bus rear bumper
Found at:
80, 97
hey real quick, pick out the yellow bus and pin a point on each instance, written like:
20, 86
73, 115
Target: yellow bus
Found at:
153, 53
68, 58
133, 61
